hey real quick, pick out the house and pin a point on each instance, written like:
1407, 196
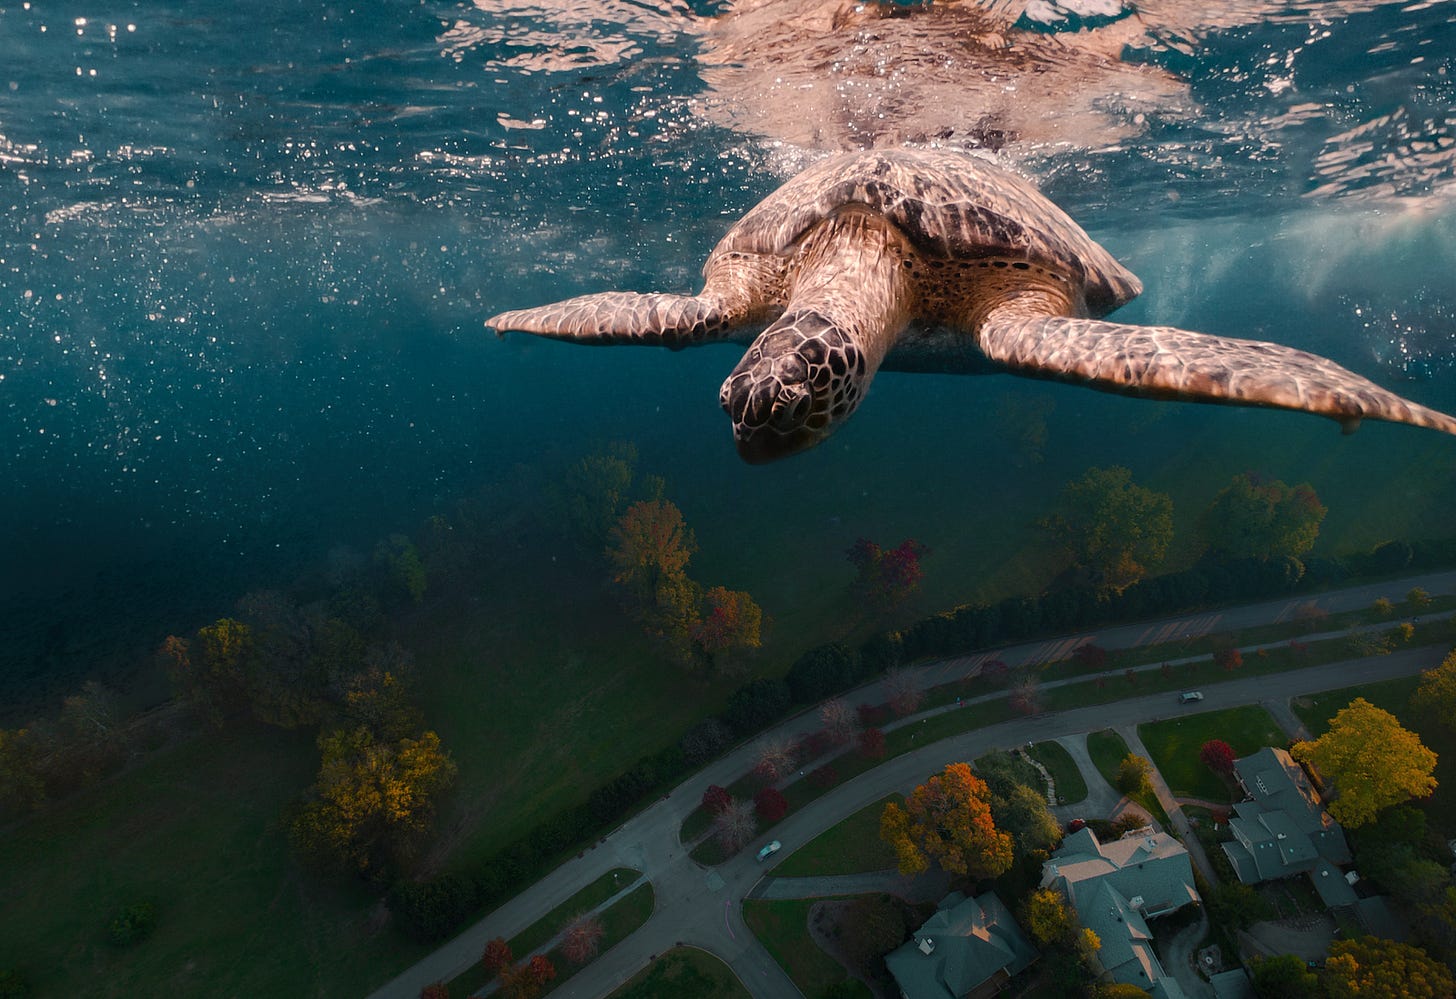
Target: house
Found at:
1115, 888
970, 947
1282, 829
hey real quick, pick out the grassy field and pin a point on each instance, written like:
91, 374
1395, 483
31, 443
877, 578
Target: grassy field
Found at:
681, 972
851, 847
1174, 746
196, 829
1107, 750
1071, 787
782, 926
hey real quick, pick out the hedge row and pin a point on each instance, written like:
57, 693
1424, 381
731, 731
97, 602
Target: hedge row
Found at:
432, 910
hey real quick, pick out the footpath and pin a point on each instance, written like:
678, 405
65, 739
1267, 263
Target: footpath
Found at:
701, 907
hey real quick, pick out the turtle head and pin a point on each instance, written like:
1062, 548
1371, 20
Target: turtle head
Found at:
799, 381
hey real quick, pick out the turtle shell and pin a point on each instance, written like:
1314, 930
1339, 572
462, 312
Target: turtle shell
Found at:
949, 205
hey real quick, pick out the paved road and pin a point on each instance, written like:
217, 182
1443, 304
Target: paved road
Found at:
701, 907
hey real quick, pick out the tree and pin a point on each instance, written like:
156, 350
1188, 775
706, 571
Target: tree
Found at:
774, 758
870, 926
886, 577
1435, 698
1046, 917
526, 980
1284, 977
1371, 760
21, 787
1087, 943
1228, 660
823, 670
715, 799
379, 697
730, 621
902, 692
1090, 657
210, 671
1372, 968
1417, 599
1238, 906
1134, 774
1118, 990
649, 550
497, 955
582, 939
400, 559
1112, 528
435, 990
948, 820
371, 799
596, 487
770, 804
839, 720
1255, 518
872, 743
735, 825
1023, 812
1218, 756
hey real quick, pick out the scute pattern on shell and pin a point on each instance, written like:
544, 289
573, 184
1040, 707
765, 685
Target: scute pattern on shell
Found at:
944, 209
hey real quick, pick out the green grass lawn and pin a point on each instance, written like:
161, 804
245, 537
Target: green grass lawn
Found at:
783, 927
1174, 746
684, 972
1071, 787
851, 847
195, 828
1107, 750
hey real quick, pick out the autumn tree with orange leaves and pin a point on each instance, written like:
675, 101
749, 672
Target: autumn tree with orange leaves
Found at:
649, 551
948, 820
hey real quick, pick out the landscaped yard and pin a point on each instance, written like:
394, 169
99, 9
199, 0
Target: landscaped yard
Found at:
1071, 787
1107, 749
782, 926
1174, 745
683, 972
851, 847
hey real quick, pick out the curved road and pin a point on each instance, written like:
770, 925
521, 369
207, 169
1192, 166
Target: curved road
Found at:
702, 907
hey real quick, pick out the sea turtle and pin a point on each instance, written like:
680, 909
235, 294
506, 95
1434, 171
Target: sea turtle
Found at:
916, 260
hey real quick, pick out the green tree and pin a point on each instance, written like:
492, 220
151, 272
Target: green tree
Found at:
1023, 813
21, 786
1372, 968
1284, 977
1255, 518
598, 487
1238, 906
948, 820
401, 560
1114, 529
1435, 698
371, 799
1371, 760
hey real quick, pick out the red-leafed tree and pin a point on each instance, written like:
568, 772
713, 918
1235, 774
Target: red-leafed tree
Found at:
439, 990
1228, 660
839, 721
770, 804
735, 825
1218, 756
526, 980
886, 576
730, 620
497, 955
1090, 656
541, 968
774, 758
715, 799
872, 743
903, 693
582, 939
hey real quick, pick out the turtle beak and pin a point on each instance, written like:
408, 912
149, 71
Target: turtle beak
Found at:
764, 446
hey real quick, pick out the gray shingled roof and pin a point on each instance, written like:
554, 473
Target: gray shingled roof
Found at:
1282, 829
973, 939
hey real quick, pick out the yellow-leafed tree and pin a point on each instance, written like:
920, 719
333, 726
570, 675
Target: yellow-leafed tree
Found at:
1372, 761
948, 820
372, 798
1372, 968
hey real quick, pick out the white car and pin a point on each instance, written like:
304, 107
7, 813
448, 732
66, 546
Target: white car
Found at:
1189, 696
769, 850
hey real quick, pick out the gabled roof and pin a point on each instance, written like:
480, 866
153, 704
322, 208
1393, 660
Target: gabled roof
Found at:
969, 942
1281, 829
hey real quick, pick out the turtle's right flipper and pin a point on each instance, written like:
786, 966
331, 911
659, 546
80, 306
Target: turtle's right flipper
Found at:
620, 317
1161, 362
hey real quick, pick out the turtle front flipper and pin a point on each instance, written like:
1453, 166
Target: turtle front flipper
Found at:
1160, 362
623, 317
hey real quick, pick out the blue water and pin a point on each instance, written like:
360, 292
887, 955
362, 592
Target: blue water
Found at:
246, 250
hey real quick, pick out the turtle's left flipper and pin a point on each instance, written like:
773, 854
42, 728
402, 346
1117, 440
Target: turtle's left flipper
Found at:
1161, 362
620, 317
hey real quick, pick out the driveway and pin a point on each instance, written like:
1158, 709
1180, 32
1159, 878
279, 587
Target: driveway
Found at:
700, 907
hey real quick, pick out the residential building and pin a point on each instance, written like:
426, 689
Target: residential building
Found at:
970, 947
